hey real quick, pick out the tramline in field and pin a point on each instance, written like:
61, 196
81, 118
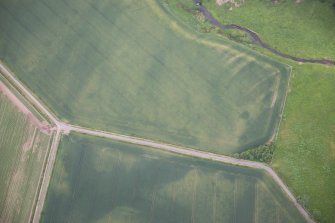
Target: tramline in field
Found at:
24, 143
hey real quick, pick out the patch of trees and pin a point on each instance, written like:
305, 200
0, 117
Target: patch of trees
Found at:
261, 154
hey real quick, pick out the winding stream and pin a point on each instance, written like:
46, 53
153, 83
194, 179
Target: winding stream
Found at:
256, 39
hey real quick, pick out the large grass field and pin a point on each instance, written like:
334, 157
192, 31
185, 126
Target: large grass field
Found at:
304, 150
98, 180
22, 153
126, 67
301, 28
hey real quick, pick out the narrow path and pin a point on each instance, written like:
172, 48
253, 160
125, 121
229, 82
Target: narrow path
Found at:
64, 128
47, 176
256, 38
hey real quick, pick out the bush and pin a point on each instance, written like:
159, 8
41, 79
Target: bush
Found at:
262, 154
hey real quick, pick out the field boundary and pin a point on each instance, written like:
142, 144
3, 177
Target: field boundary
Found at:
60, 128
276, 130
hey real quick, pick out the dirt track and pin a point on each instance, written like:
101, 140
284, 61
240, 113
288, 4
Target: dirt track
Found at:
61, 127
256, 39
47, 176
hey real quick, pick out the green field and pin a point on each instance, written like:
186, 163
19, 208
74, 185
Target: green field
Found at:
22, 153
304, 29
126, 67
305, 151
98, 180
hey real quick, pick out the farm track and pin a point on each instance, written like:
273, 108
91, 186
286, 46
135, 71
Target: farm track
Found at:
256, 39
60, 128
